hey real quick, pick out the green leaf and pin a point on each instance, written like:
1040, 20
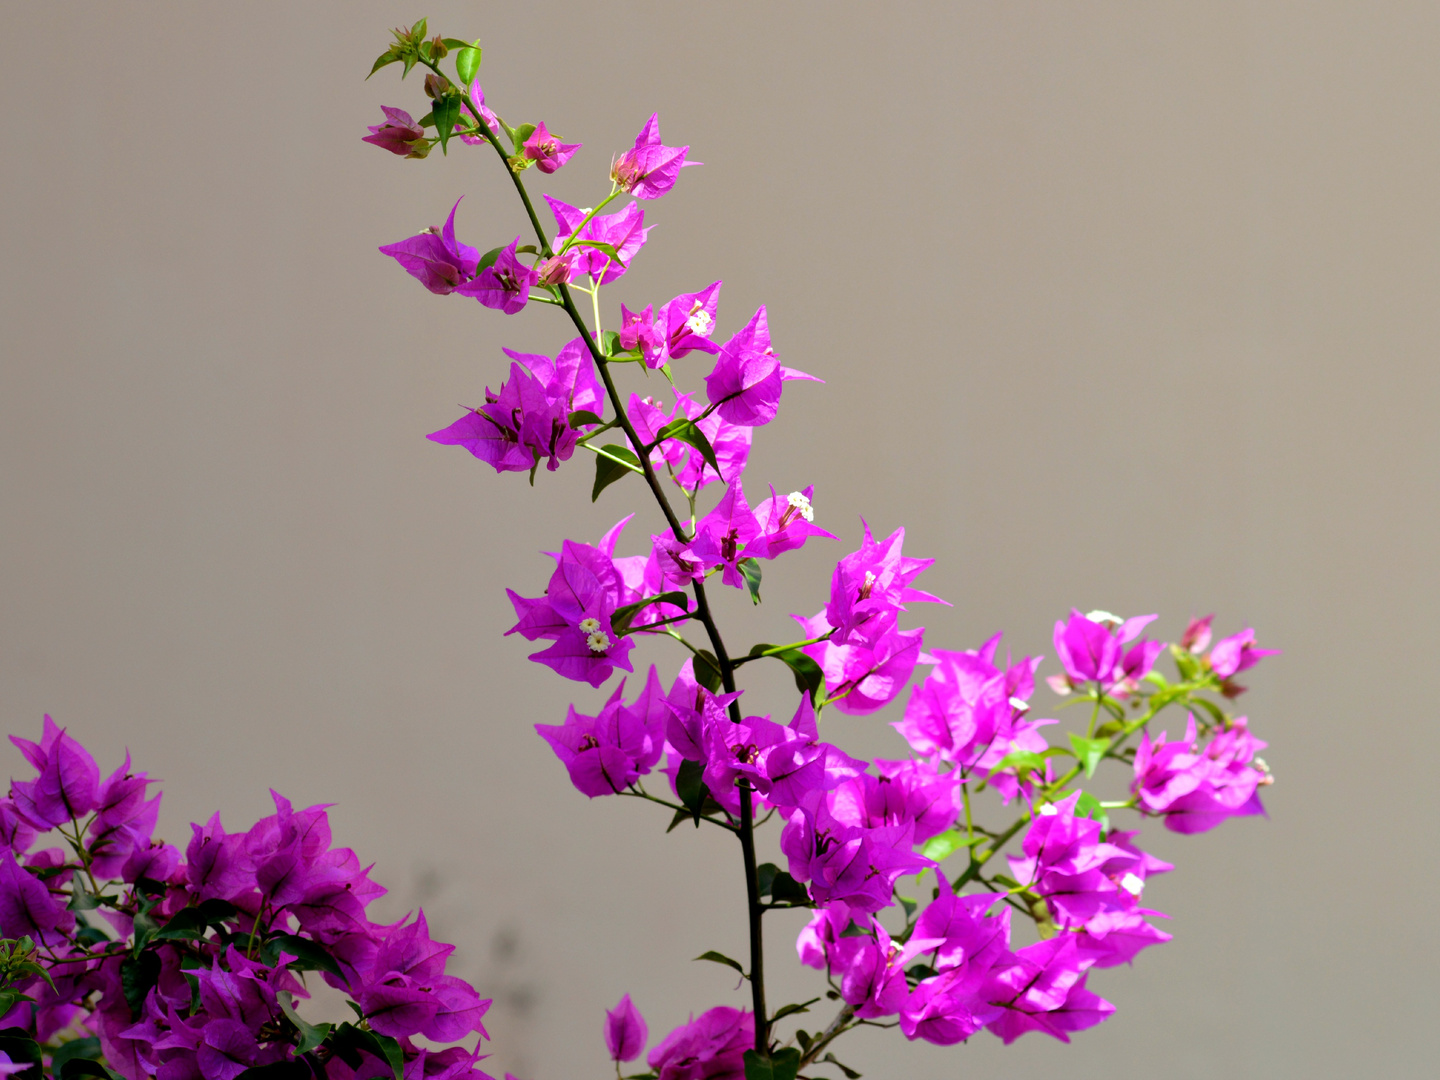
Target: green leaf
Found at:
612, 463
622, 618
488, 259
720, 958
580, 417
76, 1048
784, 889
347, 1040
1089, 751
387, 57
609, 343
804, 1038
750, 571
1089, 806
855, 930
17, 1043
309, 956
791, 1010
521, 133
808, 674
457, 43
311, 1035
467, 63
781, 1065
688, 431
80, 900
600, 246
691, 788
1021, 761
947, 843
850, 1074
447, 112
91, 935
191, 922
418, 30
680, 815
707, 671
137, 976
78, 1067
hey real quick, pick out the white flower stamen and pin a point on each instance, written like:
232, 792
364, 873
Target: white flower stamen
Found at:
699, 320
589, 626
1132, 884
598, 642
801, 504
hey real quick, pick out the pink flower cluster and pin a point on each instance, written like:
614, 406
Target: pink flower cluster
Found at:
187, 965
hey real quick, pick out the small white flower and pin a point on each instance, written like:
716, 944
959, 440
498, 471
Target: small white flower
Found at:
1100, 616
1048, 810
1019, 704
699, 321
1132, 884
589, 626
802, 504
598, 642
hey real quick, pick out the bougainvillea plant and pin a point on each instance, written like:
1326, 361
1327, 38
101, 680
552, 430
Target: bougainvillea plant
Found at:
126, 958
912, 923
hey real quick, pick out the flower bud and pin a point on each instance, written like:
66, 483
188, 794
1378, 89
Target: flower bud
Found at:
438, 49
557, 269
436, 86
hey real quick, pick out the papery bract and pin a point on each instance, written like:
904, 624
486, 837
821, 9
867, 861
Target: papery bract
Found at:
505, 284
434, 257
649, 169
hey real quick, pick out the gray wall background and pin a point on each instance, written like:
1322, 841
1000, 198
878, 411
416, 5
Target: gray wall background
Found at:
1120, 305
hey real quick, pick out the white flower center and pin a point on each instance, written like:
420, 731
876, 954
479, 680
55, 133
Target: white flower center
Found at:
589, 626
598, 642
1132, 884
699, 321
1048, 810
802, 505
1100, 616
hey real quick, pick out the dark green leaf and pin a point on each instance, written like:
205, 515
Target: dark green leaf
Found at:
309, 955
909, 905
311, 1035
791, 1010
192, 922
80, 900
804, 1038
765, 874
691, 788
611, 463
387, 57
918, 973
75, 1048
622, 618
720, 958
786, 890
488, 259
602, 247
10, 998
348, 1040
277, 1070
750, 571
808, 674
855, 930
689, 432
137, 976
850, 1074
707, 671
580, 417
467, 63
781, 1065
447, 112
17, 1043
75, 1068
680, 815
